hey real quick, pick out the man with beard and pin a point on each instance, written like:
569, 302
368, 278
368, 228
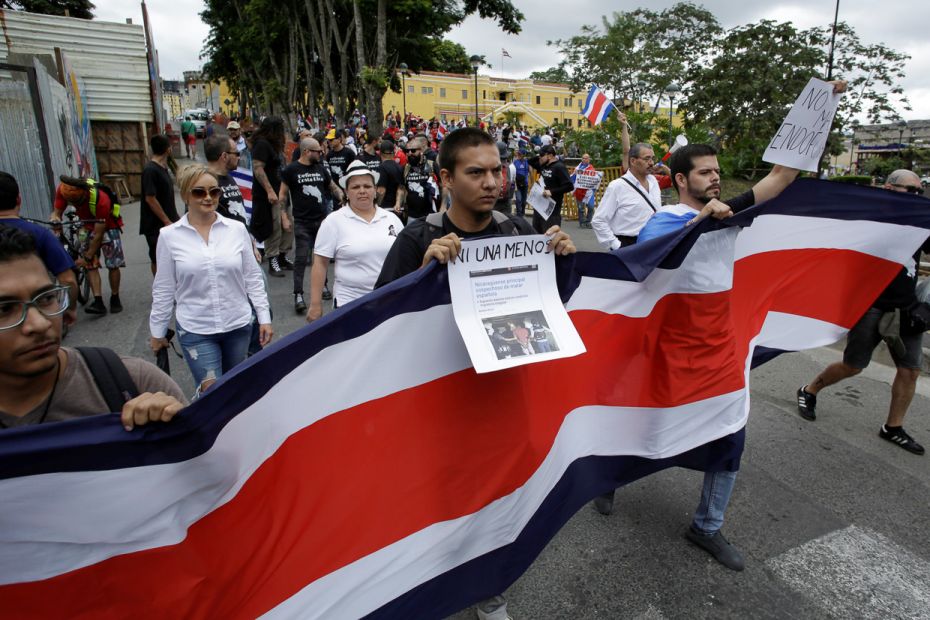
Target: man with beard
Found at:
308, 182
369, 154
419, 193
339, 156
696, 176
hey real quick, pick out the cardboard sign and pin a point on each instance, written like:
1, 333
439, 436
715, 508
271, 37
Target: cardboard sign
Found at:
800, 140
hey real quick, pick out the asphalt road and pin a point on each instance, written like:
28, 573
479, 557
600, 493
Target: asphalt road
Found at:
833, 521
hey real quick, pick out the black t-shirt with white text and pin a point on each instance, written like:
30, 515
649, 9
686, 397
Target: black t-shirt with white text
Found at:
421, 190
231, 204
265, 153
307, 186
339, 161
372, 161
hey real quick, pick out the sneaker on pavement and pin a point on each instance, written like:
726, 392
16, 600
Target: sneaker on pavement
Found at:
807, 404
115, 304
327, 294
284, 263
95, 307
900, 437
274, 268
719, 547
604, 504
300, 306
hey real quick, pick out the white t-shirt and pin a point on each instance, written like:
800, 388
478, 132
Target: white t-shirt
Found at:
546, 139
359, 248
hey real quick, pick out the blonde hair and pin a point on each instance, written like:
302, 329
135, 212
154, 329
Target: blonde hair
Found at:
188, 175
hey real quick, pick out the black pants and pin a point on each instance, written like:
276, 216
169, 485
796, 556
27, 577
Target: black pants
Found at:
541, 226
626, 240
304, 239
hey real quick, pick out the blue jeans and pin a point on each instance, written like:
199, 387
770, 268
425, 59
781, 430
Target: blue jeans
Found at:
209, 356
718, 487
520, 196
581, 213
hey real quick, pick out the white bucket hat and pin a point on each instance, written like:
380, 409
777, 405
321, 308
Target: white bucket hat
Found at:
357, 168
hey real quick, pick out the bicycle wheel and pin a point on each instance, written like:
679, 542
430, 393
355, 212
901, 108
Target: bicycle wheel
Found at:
83, 286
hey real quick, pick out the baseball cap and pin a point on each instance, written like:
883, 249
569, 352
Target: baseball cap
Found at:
386, 147
548, 149
331, 135
233, 125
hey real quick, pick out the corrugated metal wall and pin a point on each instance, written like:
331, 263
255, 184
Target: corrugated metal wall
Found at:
109, 56
20, 147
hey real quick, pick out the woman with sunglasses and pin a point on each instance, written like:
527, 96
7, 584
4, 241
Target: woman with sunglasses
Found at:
206, 268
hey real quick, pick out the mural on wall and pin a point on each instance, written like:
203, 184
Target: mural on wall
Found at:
82, 139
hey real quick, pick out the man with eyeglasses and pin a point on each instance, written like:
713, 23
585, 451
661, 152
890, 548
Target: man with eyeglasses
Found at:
223, 157
419, 194
158, 208
558, 183
308, 181
42, 382
897, 301
629, 201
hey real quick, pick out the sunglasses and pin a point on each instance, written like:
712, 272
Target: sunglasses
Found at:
910, 189
201, 192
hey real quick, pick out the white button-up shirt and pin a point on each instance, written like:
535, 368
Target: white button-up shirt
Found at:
623, 211
211, 282
359, 248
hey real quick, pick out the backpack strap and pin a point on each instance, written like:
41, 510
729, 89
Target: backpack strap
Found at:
505, 223
110, 375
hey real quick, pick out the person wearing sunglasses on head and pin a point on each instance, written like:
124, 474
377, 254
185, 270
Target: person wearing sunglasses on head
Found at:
207, 269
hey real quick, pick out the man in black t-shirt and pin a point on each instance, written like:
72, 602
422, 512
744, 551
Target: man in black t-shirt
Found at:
339, 156
471, 170
158, 208
390, 178
307, 181
557, 181
369, 153
900, 298
419, 192
222, 157
270, 223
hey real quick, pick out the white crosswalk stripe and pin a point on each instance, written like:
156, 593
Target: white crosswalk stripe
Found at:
857, 573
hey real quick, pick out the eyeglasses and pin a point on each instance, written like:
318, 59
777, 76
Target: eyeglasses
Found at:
910, 189
646, 158
315, 150
201, 192
50, 303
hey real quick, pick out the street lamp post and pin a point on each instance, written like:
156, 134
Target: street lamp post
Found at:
852, 144
671, 90
403, 88
902, 125
475, 63
641, 86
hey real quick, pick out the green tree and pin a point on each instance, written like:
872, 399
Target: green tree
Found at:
637, 54
449, 57
75, 8
557, 75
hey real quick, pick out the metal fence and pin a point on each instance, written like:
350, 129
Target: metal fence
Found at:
21, 146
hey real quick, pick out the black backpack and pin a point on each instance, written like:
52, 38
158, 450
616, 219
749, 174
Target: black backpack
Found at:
110, 375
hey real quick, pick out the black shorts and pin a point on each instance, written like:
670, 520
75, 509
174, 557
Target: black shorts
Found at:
864, 337
152, 240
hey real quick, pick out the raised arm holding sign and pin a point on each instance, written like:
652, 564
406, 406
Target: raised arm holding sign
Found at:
800, 140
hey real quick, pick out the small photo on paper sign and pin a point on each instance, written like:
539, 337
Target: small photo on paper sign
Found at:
516, 335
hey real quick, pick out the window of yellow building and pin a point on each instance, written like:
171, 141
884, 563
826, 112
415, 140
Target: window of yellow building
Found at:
442, 93
538, 100
464, 94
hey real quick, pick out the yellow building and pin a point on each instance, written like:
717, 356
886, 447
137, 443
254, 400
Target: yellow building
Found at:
172, 104
451, 97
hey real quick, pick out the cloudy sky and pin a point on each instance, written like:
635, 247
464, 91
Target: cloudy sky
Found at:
900, 24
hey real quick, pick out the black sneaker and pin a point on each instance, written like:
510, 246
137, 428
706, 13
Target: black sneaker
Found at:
807, 404
300, 306
719, 547
900, 437
115, 304
95, 307
274, 268
285, 264
327, 294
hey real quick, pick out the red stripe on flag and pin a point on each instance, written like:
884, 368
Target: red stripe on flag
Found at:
599, 101
367, 477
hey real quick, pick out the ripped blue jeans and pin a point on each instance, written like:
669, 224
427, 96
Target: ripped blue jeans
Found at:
209, 356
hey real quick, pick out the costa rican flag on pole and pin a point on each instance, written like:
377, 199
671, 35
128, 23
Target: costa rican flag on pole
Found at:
257, 499
597, 106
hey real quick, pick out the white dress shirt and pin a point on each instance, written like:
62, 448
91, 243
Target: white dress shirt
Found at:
623, 211
359, 248
211, 282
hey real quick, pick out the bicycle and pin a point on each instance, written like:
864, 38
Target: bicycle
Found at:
68, 231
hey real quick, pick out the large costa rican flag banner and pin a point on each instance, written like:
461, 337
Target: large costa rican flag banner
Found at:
597, 106
361, 467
